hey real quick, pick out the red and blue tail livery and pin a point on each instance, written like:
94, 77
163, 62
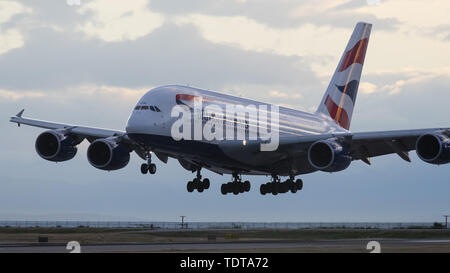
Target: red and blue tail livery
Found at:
340, 97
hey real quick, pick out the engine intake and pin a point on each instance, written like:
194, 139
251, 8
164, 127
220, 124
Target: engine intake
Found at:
56, 146
108, 154
433, 148
328, 156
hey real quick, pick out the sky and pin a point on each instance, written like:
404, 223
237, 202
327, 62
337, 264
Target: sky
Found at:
89, 64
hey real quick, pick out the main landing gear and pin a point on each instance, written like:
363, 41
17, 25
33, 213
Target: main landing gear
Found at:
235, 187
149, 166
197, 183
275, 186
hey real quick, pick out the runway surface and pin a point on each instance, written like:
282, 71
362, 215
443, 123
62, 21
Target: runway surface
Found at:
353, 245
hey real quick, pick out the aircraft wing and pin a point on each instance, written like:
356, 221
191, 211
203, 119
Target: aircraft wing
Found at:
365, 145
90, 133
371, 144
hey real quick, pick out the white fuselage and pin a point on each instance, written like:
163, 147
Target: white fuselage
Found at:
151, 122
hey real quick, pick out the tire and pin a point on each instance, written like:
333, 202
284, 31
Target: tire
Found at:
247, 186
195, 182
299, 184
263, 189
275, 188
235, 188
293, 186
152, 168
144, 168
190, 186
241, 187
206, 183
200, 187
223, 189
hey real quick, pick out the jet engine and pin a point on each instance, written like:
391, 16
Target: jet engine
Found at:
433, 148
108, 154
328, 156
54, 145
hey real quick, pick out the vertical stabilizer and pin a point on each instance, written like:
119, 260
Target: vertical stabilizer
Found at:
340, 97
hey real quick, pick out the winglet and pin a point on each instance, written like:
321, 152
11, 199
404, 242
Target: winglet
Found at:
19, 115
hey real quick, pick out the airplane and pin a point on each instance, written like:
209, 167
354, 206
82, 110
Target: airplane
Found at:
307, 142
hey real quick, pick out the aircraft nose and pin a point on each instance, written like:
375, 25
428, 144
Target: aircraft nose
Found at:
132, 124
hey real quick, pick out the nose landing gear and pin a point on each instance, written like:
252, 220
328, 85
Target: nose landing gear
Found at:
148, 167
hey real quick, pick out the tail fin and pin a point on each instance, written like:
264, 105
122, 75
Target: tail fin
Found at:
340, 97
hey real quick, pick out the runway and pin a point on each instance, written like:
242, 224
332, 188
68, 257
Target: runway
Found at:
351, 245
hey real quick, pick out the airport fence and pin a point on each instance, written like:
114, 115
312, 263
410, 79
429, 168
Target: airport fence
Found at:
212, 225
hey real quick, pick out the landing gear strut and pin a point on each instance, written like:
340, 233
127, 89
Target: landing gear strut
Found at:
197, 183
235, 187
276, 186
149, 166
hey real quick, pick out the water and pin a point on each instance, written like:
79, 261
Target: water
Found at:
212, 225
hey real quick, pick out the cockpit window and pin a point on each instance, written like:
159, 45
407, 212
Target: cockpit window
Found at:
152, 108
137, 107
157, 109
144, 108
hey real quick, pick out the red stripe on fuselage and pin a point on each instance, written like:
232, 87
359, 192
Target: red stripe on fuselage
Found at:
354, 55
332, 107
188, 97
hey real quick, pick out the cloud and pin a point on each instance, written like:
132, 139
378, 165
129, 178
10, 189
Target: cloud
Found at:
411, 13
72, 92
278, 94
119, 20
10, 38
367, 88
13, 95
249, 34
280, 14
399, 81
57, 59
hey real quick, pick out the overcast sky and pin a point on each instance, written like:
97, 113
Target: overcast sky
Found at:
90, 63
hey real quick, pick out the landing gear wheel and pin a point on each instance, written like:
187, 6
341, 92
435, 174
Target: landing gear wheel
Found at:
263, 189
247, 186
190, 186
200, 187
144, 168
299, 184
236, 189
152, 168
241, 187
224, 189
294, 189
206, 183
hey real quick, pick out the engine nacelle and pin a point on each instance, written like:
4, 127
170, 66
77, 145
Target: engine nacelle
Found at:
56, 146
108, 154
433, 148
328, 156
